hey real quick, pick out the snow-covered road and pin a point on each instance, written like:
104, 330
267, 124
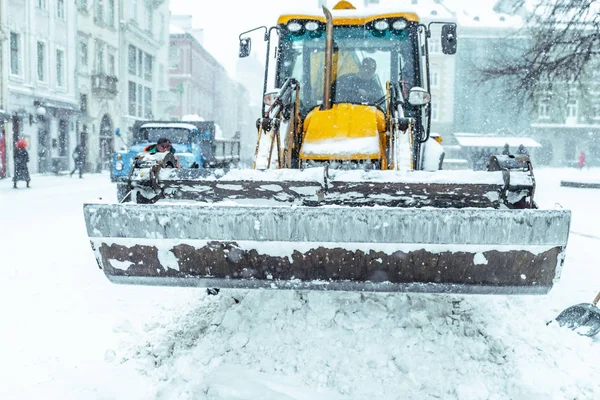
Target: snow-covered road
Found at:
67, 333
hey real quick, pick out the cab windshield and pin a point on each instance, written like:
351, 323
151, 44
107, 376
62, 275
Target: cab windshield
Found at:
175, 135
391, 52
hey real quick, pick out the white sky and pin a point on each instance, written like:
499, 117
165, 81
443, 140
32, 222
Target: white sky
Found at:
224, 20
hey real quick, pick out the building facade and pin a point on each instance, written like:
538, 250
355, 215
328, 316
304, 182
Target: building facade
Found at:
4, 116
143, 89
200, 85
490, 106
97, 64
42, 88
566, 119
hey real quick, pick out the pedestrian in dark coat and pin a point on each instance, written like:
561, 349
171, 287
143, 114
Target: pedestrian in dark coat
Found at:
79, 158
21, 159
522, 150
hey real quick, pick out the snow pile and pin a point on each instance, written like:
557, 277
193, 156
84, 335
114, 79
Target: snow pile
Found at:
313, 345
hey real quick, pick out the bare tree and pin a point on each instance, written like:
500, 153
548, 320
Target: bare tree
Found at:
564, 44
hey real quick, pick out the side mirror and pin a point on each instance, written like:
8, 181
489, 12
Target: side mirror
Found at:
449, 39
418, 96
245, 46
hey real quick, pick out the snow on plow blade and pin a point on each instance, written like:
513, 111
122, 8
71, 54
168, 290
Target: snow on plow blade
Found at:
469, 250
322, 186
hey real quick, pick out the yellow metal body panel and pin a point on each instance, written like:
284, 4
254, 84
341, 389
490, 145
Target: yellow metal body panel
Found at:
348, 19
345, 132
344, 5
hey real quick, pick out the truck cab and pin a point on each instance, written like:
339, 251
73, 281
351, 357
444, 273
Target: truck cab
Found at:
194, 142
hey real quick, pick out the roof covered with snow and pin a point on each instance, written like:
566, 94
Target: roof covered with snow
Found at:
477, 140
175, 30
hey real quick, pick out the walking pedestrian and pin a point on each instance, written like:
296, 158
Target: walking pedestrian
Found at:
581, 162
522, 150
79, 158
21, 158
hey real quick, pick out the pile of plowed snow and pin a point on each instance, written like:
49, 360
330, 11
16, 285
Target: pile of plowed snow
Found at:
318, 345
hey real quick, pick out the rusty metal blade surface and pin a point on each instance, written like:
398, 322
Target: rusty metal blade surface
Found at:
330, 248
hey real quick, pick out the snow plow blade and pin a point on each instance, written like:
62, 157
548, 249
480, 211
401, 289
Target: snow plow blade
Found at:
455, 250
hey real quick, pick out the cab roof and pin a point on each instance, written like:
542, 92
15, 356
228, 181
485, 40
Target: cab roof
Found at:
344, 13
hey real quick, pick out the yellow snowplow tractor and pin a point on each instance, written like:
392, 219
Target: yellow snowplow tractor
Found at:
347, 190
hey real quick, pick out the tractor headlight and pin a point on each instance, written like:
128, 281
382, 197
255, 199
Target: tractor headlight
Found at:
311, 26
400, 24
294, 26
381, 25
119, 165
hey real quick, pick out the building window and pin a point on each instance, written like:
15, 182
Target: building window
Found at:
544, 109
173, 57
148, 103
83, 104
83, 56
60, 68
149, 19
132, 61
140, 57
82, 5
60, 9
15, 54
435, 76
110, 14
147, 67
99, 57
99, 11
596, 109
434, 112
435, 46
139, 100
42, 4
112, 70
132, 98
162, 27
41, 61
572, 110
133, 10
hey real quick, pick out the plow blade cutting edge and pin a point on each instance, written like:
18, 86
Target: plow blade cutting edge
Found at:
469, 250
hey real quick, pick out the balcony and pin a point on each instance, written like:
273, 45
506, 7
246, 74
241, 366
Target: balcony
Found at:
104, 85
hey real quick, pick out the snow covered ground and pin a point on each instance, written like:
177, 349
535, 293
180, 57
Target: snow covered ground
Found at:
67, 333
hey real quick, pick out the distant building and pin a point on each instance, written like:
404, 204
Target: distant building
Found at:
144, 54
567, 119
98, 64
487, 107
200, 85
4, 116
42, 88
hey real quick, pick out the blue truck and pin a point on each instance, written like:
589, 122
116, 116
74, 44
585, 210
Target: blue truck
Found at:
195, 144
